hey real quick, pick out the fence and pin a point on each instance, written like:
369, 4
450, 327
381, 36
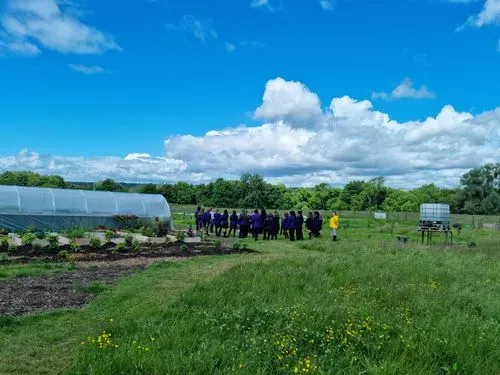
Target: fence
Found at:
475, 221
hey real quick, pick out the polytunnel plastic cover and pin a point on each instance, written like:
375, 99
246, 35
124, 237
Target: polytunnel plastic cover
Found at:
61, 202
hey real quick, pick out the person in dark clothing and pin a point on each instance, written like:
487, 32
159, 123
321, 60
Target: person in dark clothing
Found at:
275, 225
310, 224
284, 225
217, 222
292, 225
268, 227
263, 217
317, 223
224, 223
207, 216
257, 224
300, 223
244, 223
233, 223
196, 213
199, 219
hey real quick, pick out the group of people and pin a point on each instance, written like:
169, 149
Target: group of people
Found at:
291, 225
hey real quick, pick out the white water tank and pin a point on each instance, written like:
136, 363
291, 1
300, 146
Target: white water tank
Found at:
435, 215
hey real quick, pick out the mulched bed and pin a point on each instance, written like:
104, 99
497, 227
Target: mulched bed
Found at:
106, 253
35, 294
63, 290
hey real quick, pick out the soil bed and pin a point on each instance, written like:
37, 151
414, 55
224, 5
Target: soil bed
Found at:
68, 289
109, 253
34, 294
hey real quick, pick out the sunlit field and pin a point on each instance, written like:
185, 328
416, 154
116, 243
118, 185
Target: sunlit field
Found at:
364, 304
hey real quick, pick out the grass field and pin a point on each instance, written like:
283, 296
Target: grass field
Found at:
365, 304
34, 269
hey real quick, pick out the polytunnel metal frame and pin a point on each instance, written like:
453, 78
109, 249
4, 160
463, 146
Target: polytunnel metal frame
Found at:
55, 209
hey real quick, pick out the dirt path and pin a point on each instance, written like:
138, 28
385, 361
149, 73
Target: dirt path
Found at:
42, 293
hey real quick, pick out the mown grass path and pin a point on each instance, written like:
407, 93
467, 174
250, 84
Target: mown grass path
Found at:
48, 343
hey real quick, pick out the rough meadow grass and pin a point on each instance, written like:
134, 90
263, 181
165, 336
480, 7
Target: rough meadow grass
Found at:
365, 304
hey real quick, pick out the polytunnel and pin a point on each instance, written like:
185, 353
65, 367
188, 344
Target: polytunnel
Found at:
56, 209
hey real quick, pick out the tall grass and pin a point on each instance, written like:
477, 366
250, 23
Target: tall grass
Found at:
348, 311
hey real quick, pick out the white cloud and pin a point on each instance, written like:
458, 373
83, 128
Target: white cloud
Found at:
20, 48
200, 29
229, 47
405, 90
327, 4
46, 24
87, 69
260, 3
288, 100
348, 140
134, 167
489, 14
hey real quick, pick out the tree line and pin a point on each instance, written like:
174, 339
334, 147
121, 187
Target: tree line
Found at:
478, 194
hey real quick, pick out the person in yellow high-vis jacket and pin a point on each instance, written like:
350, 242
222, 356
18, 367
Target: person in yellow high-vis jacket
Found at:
334, 224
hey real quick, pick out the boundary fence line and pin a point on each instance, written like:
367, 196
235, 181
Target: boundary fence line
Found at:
472, 220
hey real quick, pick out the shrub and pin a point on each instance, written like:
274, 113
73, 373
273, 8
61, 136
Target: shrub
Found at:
128, 240
120, 247
75, 233
184, 248
109, 235
162, 229
95, 243
4, 244
148, 231
40, 235
180, 236
36, 247
4, 258
237, 245
168, 241
63, 255
218, 245
53, 241
28, 238
75, 247
3, 232
136, 245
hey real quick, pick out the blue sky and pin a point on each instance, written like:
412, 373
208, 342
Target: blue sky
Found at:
94, 89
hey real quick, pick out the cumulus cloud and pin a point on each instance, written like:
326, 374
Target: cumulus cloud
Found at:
348, 140
133, 167
489, 14
288, 100
405, 90
28, 25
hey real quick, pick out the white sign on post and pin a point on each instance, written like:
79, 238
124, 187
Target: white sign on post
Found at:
380, 215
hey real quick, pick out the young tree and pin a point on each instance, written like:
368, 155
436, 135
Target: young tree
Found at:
109, 185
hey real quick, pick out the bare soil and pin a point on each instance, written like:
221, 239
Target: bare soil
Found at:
64, 290
41, 293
